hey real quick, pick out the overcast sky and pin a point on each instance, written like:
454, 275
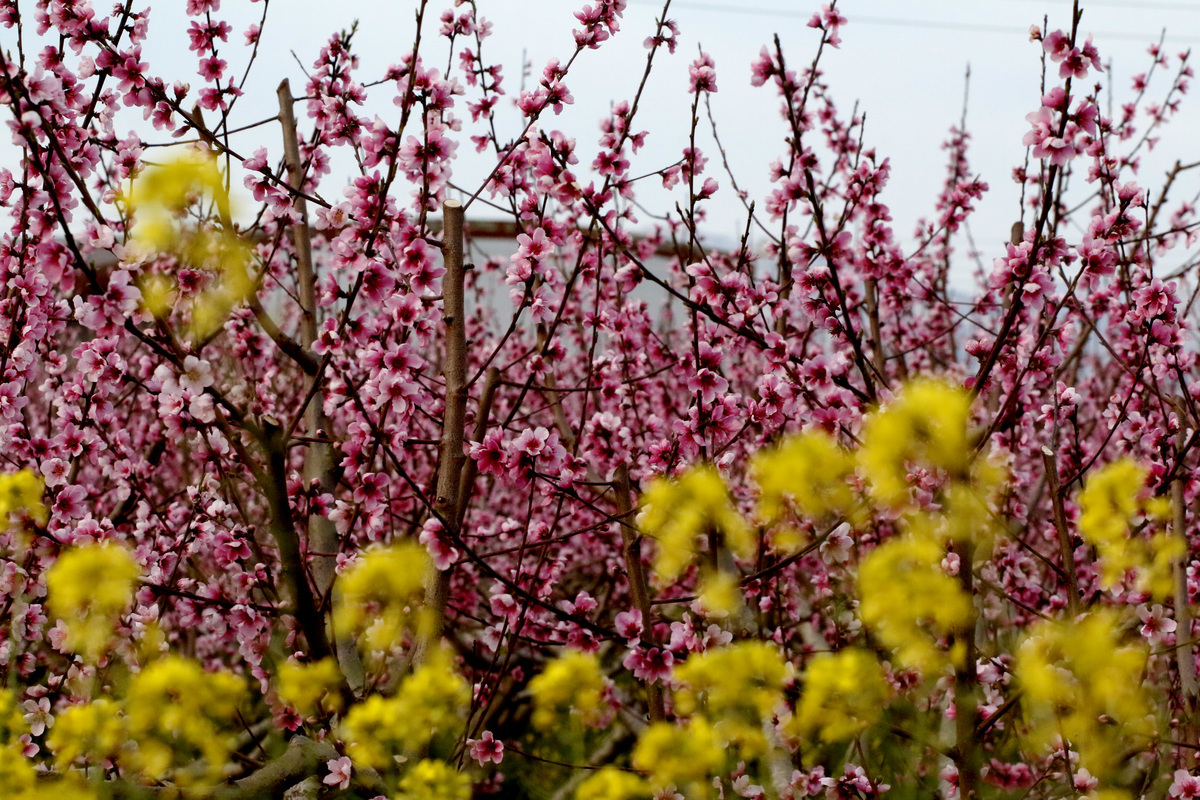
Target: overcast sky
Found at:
903, 61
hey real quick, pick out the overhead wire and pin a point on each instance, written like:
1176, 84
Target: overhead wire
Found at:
940, 24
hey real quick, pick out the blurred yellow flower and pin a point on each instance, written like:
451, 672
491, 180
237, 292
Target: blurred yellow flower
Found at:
1078, 678
429, 703
434, 780
909, 601
88, 588
310, 688
811, 471
573, 682
1109, 502
159, 198
844, 693
21, 493
677, 511
610, 783
176, 711
93, 731
926, 424
380, 594
679, 754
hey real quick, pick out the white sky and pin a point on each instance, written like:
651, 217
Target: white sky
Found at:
902, 60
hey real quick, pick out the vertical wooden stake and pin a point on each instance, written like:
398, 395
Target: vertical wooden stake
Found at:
454, 372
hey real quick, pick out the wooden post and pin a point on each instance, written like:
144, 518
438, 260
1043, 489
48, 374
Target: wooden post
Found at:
454, 372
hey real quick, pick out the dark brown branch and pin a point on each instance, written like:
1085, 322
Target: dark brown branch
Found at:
638, 589
1060, 526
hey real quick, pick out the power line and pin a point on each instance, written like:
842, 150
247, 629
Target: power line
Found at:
1156, 6
928, 24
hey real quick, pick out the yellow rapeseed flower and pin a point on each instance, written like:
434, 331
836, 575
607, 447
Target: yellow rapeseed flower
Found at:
17, 775
677, 754
160, 196
677, 511
909, 601
926, 424
1082, 682
165, 189
176, 711
429, 703
310, 688
21, 493
88, 588
434, 780
610, 783
93, 731
379, 594
720, 593
573, 682
738, 687
367, 731
744, 678
810, 470
844, 694
1111, 499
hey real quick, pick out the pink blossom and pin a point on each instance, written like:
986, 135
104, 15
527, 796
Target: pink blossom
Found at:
1045, 141
702, 75
1057, 44
1155, 622
650, 664
437, 541
38, 716
1184, 785
629, 624
339, 772
486, 749
828, 20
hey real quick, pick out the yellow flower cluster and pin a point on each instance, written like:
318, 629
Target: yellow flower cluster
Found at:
720, 593
610, 783
737, 686
159, 197
908, 601
926, 424
573, 682
172, 713
21, 781
675, 512
1111, 498
310, 689
434, 780
1078, 679
17, 775
377, 596
88, 588
93, 732
844, 694
811, 471
428, 703
679, 755
21, 493
174, 709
